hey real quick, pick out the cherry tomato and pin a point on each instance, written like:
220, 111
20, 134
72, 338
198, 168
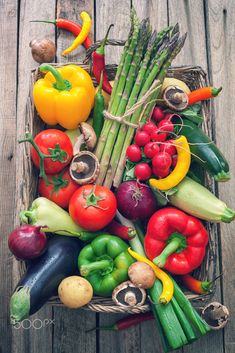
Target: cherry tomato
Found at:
168, 147
149, 127
92, 207
141, 138
158, 136
60, 189
158, 114
174, 161
53, 141
166, 126
133, 153
150, 149
161, 173
162, 160
143, 171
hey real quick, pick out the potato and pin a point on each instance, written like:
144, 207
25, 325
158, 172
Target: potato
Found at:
75, 292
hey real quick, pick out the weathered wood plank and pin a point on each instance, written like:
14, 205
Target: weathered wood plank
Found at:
72, 323
156, 10
118, 13
8, 61
220, 17
190, 16
71, 10
28, 340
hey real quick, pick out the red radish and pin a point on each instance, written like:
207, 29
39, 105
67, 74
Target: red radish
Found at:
158, 136
149, 127
168, 147
161, 173
141, 138
27, 242
158, 114
150, 149
174, 161
135, 201
166, 126
133, 153
143, 171
162, 161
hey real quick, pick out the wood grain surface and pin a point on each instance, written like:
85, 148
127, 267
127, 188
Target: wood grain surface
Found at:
210, 44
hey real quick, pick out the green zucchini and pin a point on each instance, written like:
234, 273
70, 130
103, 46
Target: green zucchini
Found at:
198, 201
205, 152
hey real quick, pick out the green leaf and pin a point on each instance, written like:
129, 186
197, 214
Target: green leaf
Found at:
192, 113
129, 173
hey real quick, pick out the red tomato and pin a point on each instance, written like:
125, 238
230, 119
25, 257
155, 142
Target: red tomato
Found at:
92, 207
60, 190
53, 141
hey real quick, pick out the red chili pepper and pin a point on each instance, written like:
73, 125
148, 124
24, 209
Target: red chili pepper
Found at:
202, 94
98, 65
70, 26
121, 231
196, 286
126, 322
175, 240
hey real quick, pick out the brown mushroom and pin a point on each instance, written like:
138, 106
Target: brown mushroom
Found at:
87, 137
216, 315
141, 275
127, 294
175, 98
84, 168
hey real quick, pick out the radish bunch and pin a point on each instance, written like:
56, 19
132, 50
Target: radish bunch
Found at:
153, 150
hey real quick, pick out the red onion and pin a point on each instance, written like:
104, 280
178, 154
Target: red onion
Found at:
135, 201
27, 242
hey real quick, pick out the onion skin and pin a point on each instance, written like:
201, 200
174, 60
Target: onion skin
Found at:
135, 201
27, 242
43, 51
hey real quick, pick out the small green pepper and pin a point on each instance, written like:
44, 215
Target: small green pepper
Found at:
98, 112
105, 262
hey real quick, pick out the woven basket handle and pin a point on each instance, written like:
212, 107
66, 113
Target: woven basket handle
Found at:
96, 45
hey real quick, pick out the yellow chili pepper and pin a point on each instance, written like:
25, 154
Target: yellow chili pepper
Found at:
64, 96
86, 26
181, 168
167, 283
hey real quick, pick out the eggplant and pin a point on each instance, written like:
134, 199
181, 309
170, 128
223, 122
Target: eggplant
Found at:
43, 276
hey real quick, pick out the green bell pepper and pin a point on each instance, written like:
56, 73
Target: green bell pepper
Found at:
105, 262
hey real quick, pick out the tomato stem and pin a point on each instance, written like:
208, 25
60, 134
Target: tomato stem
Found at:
92, 199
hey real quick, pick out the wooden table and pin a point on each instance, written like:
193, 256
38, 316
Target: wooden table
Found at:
210, 44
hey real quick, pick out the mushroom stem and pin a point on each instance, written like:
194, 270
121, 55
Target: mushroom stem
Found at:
80, 167
178, 97
130, 298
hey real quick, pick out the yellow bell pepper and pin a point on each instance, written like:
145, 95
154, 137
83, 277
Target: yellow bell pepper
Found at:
181, 168
167, 284
65, 96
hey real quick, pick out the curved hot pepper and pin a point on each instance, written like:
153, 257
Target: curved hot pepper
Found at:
181, 168
175, 241
167, 284
86, 26
64, 96
105, 262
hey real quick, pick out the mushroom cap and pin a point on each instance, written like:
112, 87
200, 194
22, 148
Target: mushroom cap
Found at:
216, 315
84, 168
175, 98
127, 294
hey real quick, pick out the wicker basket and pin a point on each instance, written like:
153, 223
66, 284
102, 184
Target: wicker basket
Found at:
195, 77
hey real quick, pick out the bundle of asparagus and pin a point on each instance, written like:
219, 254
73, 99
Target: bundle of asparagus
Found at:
144, 63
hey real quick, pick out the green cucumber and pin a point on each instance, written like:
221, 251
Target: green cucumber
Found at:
198, 201
205, 152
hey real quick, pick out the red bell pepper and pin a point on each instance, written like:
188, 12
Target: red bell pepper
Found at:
175, 240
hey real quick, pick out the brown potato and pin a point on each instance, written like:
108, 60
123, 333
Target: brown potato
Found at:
75, 292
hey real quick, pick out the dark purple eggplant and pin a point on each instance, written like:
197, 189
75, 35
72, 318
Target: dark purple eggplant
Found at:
43, 276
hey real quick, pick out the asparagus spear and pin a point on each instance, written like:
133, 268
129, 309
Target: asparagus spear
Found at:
120, 168
125, 83
121, 82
